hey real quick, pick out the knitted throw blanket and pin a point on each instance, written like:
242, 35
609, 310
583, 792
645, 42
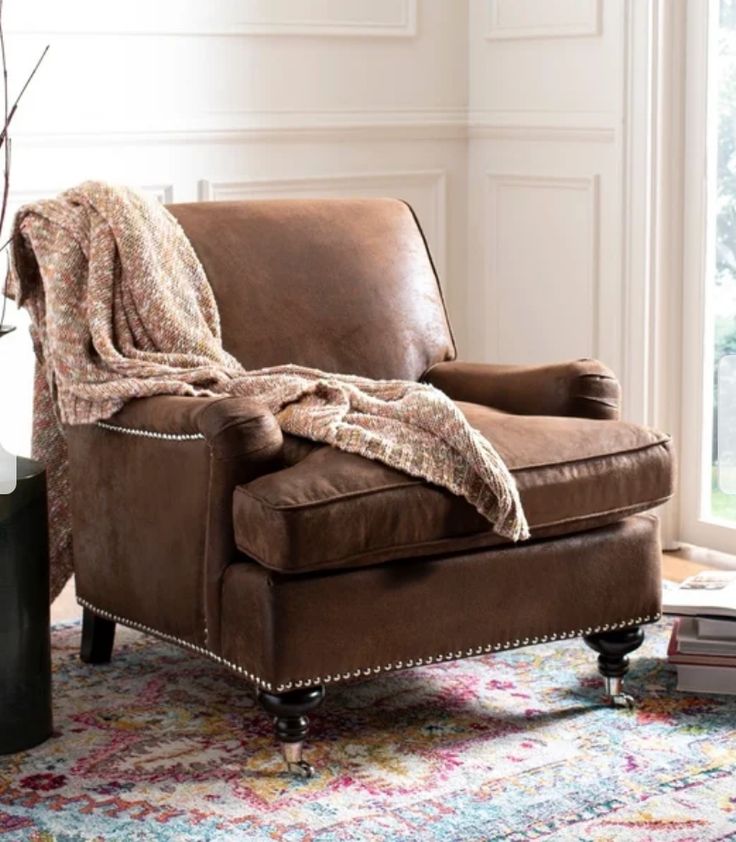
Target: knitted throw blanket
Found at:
121, 308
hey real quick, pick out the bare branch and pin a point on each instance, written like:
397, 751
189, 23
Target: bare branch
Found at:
12, 111
9, 113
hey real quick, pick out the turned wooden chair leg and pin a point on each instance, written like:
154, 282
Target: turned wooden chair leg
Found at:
612, 648
291, 725
98, 636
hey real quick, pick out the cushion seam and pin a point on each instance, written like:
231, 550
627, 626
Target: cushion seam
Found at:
243, 489
625, 452
367, 492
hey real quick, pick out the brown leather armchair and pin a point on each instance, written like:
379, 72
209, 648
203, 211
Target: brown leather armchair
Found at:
299, 566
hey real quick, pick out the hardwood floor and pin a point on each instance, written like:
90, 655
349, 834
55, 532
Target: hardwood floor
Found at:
675, 566
65, 607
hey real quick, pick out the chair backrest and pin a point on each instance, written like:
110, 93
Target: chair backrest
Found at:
344, 285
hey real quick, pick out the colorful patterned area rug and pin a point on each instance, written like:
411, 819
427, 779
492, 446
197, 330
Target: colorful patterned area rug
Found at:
161, 745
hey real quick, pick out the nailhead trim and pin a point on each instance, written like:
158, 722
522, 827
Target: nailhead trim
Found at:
366, 671
150, 434
257, 680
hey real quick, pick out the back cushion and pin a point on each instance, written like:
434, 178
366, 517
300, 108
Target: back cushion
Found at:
344, 285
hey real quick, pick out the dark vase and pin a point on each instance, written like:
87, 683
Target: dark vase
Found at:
25, 647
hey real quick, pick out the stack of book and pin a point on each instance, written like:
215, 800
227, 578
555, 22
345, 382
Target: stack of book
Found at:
703, 642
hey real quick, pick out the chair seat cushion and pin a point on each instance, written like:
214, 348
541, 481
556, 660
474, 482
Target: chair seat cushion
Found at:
331, 509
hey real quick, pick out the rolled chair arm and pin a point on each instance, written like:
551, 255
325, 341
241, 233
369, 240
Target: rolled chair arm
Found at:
234, 427
581, 388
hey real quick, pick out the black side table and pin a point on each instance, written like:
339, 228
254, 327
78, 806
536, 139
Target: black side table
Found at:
25, 645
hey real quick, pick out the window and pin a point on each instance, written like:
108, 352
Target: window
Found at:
709, 318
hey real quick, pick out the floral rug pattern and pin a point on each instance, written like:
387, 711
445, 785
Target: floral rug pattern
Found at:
160, 745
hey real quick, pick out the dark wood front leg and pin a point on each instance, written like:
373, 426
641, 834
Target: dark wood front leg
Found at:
612, 648
98, 636
291, 725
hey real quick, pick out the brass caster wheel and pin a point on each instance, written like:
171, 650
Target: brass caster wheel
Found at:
614, 692
301, 769
296, 765
622, 700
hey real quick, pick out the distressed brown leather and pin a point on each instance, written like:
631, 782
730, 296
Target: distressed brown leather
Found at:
151, 517
584, 388
348, 285
572, 473
343, 285
302, 628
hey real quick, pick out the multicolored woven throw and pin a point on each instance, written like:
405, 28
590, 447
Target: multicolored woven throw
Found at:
121, 308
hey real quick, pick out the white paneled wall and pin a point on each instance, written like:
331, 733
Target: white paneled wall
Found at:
503, 122
545, 178
243, 98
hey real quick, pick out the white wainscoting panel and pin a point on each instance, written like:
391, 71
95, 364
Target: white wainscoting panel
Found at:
216, 17
424, 190
520, 19
543, 266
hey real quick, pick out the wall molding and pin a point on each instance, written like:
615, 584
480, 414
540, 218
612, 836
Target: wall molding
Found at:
564, 126
143, 18
357, 125
589, 184
387, 183
271, 126
589, 25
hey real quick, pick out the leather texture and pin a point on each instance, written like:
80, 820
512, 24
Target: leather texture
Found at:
583, 389
151, 517
301, 628
572, 473
348, 285
343, 285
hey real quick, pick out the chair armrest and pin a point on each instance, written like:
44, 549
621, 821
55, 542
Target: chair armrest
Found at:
581, 388
151, 498
233, 427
